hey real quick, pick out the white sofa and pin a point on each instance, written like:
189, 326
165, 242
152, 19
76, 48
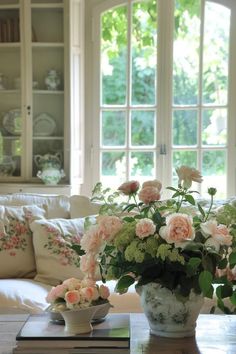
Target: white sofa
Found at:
34, 254
30, 262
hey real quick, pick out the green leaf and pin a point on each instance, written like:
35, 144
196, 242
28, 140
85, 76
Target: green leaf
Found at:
78, 250
222, 264
172, 189
223, 291
201, 210
189, 198
123, 283
192, 265
232, 259
205, 283
233, 298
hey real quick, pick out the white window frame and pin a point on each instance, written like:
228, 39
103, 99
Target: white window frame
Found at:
164, 80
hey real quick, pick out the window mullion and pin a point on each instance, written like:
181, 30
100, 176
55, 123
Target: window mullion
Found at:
164, 85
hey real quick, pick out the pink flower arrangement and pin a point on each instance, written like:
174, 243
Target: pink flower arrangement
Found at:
175, 243
75, 294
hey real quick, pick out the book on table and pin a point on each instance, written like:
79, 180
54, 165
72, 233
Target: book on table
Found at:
41, 335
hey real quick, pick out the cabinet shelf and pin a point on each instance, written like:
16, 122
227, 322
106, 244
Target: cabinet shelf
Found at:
48, 137
47, 44
48, 92
8, 45
6, 91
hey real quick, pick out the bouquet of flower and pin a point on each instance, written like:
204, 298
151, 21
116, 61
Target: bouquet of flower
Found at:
77, 294
175, 243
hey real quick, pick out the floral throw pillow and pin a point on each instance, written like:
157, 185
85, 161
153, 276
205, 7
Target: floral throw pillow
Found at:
55, 259
16, 247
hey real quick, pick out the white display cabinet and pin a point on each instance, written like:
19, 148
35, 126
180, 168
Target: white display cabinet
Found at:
41, 85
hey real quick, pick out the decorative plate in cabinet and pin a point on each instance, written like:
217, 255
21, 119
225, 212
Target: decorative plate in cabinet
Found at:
12, 122
44, 125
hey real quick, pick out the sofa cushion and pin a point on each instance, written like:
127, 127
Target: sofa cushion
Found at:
16, 248
55, 260
57, 206
23, 295
81, 206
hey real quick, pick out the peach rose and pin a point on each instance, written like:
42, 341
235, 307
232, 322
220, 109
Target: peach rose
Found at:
72, 297
187, 175
104, 291
72, 284
178, 228
89, 293
129, 188
145, 227
149, 194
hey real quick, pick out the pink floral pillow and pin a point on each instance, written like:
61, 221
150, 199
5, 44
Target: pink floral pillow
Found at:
55, 259
16, 247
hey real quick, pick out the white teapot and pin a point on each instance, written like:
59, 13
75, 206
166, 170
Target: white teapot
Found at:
51, 175
49, 165
48, 160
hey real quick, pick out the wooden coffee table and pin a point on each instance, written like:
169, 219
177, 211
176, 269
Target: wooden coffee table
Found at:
215, 334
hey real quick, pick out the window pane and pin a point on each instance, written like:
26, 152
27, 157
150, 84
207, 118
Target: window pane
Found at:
186, 51
143, 43
216, 50
113, 128
185, 127
214, 127
142, 128
187, 158
113, 163
142, 164
114, 56
214, 171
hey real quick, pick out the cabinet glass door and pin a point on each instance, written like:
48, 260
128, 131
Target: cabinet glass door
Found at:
47, 82
11, 122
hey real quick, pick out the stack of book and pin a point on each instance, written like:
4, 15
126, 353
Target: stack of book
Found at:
9, 30
39, 335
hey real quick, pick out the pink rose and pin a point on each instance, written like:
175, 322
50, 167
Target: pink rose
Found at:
72, 284
187, 175
56, 292
219, 234
109, 226
72, 297
104, 291
88, 265
149, 194
178, 228
129, 187
145, 227
91, 240
155, 183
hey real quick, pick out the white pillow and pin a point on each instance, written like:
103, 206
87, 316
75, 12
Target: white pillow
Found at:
81, 206
57, 206
55, 260
16, 248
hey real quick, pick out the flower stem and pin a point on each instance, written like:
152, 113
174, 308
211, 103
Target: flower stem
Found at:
209, 210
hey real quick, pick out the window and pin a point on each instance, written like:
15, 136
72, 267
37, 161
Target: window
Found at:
163, 81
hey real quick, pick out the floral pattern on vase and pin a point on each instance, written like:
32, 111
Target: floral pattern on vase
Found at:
168, 314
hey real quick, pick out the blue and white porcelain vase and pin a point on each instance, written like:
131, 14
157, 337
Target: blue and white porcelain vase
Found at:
170, 315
